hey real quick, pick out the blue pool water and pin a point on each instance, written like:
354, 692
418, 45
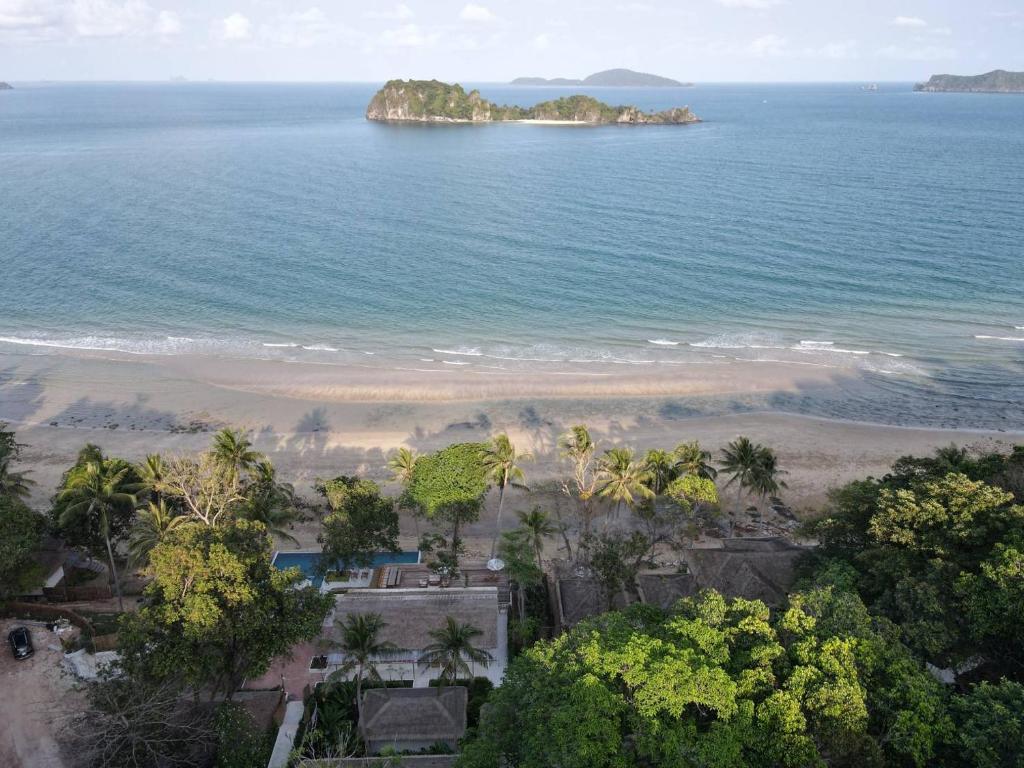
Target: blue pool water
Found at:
812, 224
307, 561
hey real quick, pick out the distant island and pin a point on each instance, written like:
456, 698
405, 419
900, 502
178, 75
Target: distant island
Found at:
996, 81
431, 101
6, 87
626, 78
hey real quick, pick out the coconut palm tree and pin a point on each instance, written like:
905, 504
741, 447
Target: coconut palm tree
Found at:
151, 473
452, 645
15, 485
537, 523
361, 643
660, 467
742, 460
578, 447
97, 490
622, 479
691, 459
269, 502
766, 480
153, 524
401, 464
233, 451
502, 462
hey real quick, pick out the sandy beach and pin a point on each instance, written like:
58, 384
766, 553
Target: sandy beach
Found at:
320, 421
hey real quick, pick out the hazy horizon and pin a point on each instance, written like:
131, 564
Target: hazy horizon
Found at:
721, 41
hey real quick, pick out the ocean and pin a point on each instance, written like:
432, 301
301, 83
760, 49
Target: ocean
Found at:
877, 233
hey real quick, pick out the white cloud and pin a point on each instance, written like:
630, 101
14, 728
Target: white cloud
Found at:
474, 12
103, 18
168, 24
918, 53
767, 45
407, 36
400, 12
845, 49
302, 29
28, 15
235, 27
542, 41
909, 21
757, 5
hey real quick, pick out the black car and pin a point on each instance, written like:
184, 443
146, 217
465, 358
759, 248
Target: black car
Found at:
21, 643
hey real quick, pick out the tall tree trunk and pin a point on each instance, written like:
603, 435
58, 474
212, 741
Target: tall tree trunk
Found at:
113, 572
564, 532
739, 497
359, 692
497, 522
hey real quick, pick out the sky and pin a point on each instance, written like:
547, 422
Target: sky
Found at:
496, 40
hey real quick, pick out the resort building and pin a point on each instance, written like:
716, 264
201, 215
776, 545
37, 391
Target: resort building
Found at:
413, 719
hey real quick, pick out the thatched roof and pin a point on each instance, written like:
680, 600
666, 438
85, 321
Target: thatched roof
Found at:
414, 714
756, 569
581, 597
665, 589
409, 617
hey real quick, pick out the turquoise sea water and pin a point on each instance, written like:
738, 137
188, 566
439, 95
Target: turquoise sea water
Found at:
814, 224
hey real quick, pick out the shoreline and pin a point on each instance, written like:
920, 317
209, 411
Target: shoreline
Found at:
304, 418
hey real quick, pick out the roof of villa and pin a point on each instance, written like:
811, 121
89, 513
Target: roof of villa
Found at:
414, 714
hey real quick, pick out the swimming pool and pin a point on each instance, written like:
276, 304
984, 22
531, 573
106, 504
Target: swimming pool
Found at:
307, 561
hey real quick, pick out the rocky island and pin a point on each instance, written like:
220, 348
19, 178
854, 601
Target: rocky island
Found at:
621, 78
996, 81
431, 101
6, 87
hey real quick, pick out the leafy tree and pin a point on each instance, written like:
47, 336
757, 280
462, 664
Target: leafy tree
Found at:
990, 728
360, 524
240, 742
21, 532
453, 645
767, 478
218, 610
517, 551
449, 486
96, 502
616, 559
204, 487
502, 462
150, 472
623, 480
361, 643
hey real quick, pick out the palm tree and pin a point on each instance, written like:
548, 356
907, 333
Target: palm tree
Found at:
402, 464
660, 467
153, 524
360, 640
269, 502
502, 461
623, 480
233, 451
452, 645
691, 459
151, 473
741, 459
578, 447
15, 485
98, 489
538, 524
766, 480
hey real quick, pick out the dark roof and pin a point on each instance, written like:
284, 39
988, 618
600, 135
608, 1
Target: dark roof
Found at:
755, 569
414, 714
665, 589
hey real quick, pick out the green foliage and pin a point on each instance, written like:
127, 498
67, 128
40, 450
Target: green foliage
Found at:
95, 501
990, 726
240, 742
615, 559
361, 523
21, 531
453, 649
218, 610
13, 484
449, 486
715, 682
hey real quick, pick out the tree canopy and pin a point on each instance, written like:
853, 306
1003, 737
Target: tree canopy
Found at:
361, 522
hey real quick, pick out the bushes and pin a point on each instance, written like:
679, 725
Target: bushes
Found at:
240, 742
